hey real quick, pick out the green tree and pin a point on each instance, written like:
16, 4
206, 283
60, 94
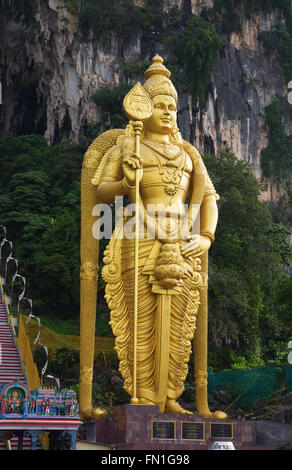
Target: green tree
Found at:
245, 263
284, 298
40, 206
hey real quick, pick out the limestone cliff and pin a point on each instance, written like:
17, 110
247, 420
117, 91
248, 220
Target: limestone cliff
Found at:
49, 71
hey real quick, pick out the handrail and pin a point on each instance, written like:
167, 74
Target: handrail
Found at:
9, 315
27, 357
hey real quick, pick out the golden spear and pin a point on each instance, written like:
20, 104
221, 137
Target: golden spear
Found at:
138, 107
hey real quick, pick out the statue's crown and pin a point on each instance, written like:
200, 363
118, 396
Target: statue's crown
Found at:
157, 68
157, 79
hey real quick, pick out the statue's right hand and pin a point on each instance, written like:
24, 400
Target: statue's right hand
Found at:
130, 164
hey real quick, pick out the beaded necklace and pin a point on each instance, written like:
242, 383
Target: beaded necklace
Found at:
171, 177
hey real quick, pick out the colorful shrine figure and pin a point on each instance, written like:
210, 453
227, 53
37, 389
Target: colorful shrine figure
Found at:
4, 406
47, 407
43, 406
169, 276
13, 399
32, 404
25, 408
19, 400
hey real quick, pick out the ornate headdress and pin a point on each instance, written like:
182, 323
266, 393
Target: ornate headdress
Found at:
157, 79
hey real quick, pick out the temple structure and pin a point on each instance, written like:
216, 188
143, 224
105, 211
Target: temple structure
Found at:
31, 418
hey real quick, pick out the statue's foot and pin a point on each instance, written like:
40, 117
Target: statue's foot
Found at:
215, 415
173, 407
219, 415
93, 413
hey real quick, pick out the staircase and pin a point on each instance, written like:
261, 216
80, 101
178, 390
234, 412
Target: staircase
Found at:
13, 444
10, 371
10, 363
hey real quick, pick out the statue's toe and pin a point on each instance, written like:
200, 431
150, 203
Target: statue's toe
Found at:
219, 415
93, 413
98, 413
173, 407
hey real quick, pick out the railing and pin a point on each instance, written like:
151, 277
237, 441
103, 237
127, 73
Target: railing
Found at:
10, 316
27, 357
22, 341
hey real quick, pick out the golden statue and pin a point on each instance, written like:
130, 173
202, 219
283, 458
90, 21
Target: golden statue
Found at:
156, 280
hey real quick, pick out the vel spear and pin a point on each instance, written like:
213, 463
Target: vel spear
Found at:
138, 107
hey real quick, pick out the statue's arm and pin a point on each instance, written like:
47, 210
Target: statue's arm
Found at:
115, 179
200, 242
107, 191
208, 216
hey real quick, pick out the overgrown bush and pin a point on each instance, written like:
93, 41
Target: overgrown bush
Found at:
195, 49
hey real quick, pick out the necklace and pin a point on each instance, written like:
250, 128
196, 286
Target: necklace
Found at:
166, 150
171, 177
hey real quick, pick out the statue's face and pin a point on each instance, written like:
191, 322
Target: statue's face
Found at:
163, 119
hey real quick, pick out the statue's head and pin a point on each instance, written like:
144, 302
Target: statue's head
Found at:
164, 98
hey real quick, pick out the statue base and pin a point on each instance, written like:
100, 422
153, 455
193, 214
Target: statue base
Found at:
142, 427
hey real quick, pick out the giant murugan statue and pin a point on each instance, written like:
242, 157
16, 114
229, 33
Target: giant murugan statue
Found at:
156, 280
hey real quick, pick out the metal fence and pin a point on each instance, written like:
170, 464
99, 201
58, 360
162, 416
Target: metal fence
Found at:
249, 385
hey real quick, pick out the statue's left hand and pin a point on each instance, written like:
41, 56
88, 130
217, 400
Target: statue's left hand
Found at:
195, 246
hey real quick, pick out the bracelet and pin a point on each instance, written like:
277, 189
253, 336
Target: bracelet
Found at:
126, 185
208, 234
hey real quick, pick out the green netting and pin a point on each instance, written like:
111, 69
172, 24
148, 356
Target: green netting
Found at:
246, 385
287, 373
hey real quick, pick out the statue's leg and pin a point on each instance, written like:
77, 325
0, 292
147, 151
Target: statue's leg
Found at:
201, 351
162, 347
89, 250
146, 325
181, 332
87, 343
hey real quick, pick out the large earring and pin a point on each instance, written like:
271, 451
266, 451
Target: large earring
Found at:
175, 136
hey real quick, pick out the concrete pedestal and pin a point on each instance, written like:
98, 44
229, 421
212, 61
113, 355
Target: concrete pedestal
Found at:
140, 427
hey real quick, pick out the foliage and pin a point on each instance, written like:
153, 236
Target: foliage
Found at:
245, 266
111, 101
279, 41
40, 206
72, 6
18, 9
118, 17
196, 48
107, 387
226, 13
133, 69
277, 156
284, 298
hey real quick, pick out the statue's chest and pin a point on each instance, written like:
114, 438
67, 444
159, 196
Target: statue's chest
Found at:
169, 171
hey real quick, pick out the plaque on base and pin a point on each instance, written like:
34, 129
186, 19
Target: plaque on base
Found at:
163, 430
131, 427
192, 431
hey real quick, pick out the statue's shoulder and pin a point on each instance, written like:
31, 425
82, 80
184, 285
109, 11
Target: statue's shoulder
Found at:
192, 152
103, 152
101, 146
200, 168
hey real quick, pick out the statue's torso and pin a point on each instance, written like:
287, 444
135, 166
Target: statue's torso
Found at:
166, 176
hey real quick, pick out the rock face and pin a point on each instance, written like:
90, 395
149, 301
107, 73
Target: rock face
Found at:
49, 73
